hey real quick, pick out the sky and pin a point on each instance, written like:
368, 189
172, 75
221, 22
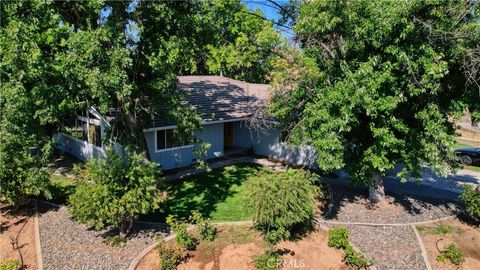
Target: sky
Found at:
270, 12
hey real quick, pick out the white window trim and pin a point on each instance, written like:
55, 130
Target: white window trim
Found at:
174, 148
171, 148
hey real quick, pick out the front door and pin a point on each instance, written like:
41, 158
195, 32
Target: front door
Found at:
227, 135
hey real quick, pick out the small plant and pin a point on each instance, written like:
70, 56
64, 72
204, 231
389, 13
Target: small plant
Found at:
269, 260
439, 229
169, 258
204, 226
183, 239
338, 238
115, 241
10, 265
354, 258
451, 253
471, 198
77, 169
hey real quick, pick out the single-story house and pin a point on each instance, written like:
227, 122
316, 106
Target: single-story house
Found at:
225, 105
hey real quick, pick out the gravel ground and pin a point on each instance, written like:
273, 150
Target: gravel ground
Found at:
388, 247
69, 245
350, 204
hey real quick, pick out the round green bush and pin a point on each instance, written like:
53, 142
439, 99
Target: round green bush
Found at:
282, 200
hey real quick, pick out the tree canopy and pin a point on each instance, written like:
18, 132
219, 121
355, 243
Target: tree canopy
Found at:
378, 83
57, 57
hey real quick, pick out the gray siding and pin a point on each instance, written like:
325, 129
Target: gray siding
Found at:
266, 143
168, 159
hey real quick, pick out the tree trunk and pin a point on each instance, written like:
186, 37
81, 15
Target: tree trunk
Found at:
126, 227
376, 193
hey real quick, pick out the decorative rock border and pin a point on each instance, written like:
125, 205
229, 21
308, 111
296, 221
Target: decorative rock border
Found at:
38, 246
144, 253
382, 224
136, 261
422, 248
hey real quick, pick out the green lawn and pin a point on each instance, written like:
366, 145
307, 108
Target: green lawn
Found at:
472, 168
61, 187
462, 145
217, 194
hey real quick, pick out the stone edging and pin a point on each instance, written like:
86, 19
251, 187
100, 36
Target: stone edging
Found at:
327, 229
38, 245
383, 224
422, 248
147, 250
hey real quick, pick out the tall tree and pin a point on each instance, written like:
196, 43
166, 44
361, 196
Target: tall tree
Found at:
383, 84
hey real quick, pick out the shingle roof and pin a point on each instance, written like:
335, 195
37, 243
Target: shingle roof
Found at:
219, 98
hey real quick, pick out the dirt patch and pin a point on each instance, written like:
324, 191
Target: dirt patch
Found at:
236, 246
465, 237
311, 252
22, 224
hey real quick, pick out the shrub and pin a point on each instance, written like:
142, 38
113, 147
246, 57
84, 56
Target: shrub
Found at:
115, 192
10, 265
268, 260
204, 226
22, 174
451, 253
77, 169
471, 199
354, 258
282, 200
169, 258
338, 238
183, 239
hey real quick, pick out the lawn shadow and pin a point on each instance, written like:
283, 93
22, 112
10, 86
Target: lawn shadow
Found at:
201, 192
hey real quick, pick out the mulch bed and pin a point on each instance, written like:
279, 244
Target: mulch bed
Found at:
70, 245
389, 247
350, 204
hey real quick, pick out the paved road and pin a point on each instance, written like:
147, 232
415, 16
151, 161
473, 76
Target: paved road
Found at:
431, 186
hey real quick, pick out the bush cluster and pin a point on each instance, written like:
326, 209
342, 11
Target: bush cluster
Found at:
471, 199
281, 201
115, 192
269, 260
183, 238
452, 254
354, 258
204, 226
170, 258
338, 238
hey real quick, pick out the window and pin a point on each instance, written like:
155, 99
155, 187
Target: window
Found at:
167, 138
